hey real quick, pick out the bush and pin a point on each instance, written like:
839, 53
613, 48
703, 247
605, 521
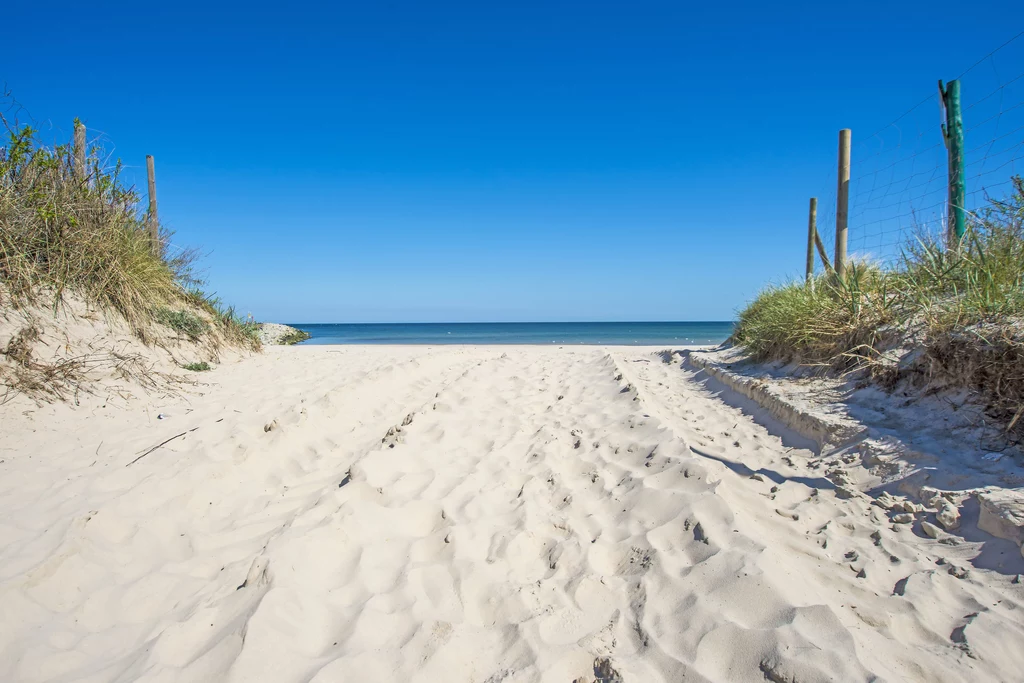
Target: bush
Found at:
189, 324
197, 367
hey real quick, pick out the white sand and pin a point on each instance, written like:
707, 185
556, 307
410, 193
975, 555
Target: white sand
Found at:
541, 509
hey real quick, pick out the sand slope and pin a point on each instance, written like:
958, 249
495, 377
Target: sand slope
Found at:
466, 514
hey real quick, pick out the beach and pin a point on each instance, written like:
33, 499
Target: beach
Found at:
465, 513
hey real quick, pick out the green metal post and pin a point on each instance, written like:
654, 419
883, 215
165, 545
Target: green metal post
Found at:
953, 134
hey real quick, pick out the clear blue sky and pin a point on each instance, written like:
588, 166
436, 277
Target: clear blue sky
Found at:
469, 161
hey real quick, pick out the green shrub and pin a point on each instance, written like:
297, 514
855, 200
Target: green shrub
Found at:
184, 322
197, 367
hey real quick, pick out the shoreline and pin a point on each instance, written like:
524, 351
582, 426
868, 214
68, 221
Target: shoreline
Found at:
542, 334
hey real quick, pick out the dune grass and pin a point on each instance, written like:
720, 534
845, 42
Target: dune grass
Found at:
63, 231
829, 323
182, 321
960, 308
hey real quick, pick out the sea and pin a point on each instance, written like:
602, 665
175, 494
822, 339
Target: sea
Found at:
616, 334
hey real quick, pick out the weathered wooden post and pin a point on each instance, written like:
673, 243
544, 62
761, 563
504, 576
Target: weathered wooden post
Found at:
953, 135
812, 230
151, 218
842, 202
79, 151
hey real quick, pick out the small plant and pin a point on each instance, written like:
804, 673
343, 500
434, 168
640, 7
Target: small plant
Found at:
188, 324
240, 330
244, 330
197, 367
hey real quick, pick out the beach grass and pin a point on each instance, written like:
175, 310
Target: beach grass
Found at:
951, 313
67, 229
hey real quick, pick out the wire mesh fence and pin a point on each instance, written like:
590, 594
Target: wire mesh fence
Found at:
899, 183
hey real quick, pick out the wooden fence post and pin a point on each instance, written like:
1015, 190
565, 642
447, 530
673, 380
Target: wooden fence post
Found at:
842, 202
812, 230
151, 218
953, 135
79, 150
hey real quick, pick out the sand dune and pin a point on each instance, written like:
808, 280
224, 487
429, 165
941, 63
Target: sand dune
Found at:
477, 514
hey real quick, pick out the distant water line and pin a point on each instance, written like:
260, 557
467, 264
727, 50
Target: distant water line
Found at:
611, 334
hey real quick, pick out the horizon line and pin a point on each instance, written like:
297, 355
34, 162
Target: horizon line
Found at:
516, 322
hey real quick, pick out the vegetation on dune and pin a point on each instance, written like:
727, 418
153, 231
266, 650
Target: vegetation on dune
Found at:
60, 233
828, 323
84, 231
952, 314
72, 230
185, 322
197, 367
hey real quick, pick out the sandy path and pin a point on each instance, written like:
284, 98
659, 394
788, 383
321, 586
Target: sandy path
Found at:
464, 514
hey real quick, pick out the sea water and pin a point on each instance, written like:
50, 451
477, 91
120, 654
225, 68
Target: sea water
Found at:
618, 333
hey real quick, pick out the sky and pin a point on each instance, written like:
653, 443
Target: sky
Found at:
487, 161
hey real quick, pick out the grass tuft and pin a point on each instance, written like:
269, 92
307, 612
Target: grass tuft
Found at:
197, 367
65, 231
182, 321
60, 232
961, 308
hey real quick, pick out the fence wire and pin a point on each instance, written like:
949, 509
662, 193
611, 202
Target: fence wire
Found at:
898, 188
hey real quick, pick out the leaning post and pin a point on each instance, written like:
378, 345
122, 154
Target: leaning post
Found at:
812, 230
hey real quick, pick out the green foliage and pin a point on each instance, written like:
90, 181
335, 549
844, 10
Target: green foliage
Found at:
197, 367
62, 232
931, 290
962, 305
981, 280
831, 323
185, 322
244, 330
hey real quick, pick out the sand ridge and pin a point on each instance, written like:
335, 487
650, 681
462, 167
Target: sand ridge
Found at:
465, 514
